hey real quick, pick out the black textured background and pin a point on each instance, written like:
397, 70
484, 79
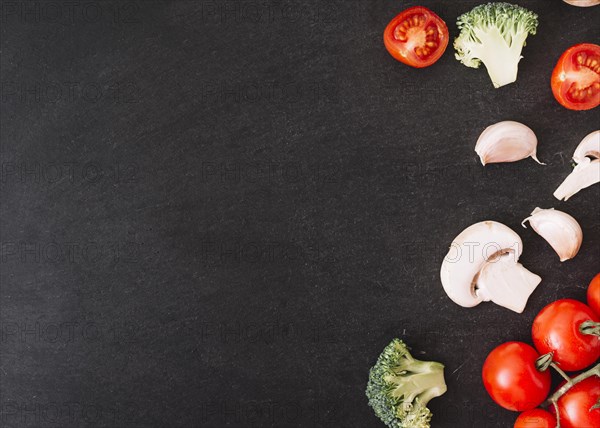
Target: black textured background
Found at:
218, 214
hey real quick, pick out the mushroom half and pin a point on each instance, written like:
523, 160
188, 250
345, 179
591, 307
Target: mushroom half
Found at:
482, 265
587, 170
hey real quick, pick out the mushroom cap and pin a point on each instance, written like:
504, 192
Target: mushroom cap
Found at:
589, 146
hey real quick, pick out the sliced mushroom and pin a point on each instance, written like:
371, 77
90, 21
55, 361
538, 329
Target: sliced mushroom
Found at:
482, 265
587, 170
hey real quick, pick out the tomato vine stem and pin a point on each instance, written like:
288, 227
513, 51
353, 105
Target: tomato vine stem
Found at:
561, 372
553, 400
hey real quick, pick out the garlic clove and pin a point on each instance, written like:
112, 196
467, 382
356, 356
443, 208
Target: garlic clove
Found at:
506, 141
559, 229
587, 171
583, 3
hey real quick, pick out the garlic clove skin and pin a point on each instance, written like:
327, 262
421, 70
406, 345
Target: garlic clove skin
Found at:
559, 229
583, 3
587, 171
506, 141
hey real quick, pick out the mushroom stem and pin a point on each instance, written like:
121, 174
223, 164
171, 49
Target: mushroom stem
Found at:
506, 282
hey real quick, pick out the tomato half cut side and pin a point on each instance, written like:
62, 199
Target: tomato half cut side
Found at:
576, 77
416, 37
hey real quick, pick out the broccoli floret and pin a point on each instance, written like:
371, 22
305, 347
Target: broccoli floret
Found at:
400, 387
495, 34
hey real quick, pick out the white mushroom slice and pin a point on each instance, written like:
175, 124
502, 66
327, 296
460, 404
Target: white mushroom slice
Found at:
589, 146
559, 229
482, 265
587, 170
506, 141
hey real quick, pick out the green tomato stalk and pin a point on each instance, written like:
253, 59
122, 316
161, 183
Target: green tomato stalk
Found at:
544, 362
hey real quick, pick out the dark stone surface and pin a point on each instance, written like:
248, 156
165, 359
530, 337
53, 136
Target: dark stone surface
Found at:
218, 214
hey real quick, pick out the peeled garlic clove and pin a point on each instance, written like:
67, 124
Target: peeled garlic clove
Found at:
583, 3
559, 229
587, 170
506, 141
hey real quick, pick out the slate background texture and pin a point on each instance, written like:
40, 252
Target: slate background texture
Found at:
217, 214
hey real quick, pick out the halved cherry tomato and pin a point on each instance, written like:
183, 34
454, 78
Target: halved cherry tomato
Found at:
556, 329
511, 378
416, 37
536, 418
576, 77
575, 407
593, 294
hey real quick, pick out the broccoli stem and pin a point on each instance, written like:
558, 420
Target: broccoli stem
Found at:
422, 382
401, 386
501, 62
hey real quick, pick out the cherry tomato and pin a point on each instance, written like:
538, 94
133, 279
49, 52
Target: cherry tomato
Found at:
511, 378
574, 407
536, 418
416, 37
556, 329
576, 77
593, 294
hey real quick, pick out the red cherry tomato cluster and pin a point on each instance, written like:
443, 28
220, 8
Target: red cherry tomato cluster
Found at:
566, 336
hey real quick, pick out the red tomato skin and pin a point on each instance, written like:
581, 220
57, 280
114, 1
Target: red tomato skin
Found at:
536, 418
394, 47
557, 84
593, 294
556, 329
574, 407
511, 378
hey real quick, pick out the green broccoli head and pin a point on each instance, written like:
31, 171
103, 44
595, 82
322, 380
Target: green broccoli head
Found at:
400, 387
495, 33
